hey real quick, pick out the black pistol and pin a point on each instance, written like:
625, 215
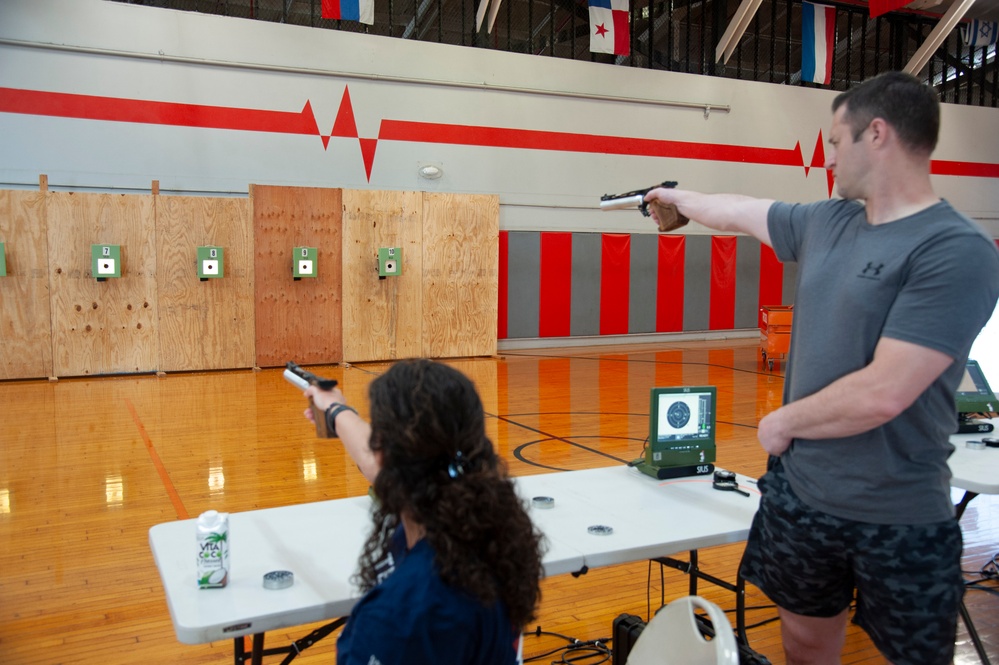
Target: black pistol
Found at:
303, 378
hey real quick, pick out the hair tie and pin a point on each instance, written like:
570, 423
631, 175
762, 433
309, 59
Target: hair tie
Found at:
457, 466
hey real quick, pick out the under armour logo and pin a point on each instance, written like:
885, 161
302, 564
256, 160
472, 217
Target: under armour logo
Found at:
872, 270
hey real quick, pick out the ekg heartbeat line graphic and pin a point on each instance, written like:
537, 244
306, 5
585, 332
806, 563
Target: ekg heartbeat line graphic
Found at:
114, 109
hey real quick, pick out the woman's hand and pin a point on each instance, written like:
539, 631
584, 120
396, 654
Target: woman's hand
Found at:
322, 399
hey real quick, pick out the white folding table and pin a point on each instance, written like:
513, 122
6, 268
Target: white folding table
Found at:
321, 542
976, 472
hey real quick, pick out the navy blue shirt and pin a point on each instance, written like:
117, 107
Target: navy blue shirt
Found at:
413, 617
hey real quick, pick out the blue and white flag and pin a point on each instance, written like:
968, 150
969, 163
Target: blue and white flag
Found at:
979, 33
818, 36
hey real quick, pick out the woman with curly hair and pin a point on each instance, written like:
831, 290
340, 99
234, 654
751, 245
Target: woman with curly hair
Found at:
451, 571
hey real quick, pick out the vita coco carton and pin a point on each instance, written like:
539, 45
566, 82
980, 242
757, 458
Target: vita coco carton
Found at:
213, 549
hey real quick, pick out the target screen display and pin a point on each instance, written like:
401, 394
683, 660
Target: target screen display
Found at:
683, 414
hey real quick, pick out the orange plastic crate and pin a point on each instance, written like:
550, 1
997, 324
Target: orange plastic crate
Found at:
775, 343
776, 317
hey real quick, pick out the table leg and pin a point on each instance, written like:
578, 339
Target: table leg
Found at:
694, 573
256, 654
965, 500
740, 608
975, 639
965, 615
238, 651
257, 657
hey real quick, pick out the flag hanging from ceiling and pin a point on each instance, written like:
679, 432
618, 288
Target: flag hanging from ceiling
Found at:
350, 10
879, 7
818, 30
979, 33
609, 29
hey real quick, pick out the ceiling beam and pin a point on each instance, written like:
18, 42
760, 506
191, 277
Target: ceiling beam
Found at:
480, 14
736, 29
937, 36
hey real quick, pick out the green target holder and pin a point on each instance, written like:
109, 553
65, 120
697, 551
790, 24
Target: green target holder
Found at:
304, 262
105, 261
3, 261
389, 261
211, 263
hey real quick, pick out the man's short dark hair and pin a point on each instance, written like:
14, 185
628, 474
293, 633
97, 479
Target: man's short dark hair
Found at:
912, 108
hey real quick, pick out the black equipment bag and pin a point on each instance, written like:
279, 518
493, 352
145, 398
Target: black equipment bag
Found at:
626, 629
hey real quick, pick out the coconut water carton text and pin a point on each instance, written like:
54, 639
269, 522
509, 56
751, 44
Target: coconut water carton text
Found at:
213, 549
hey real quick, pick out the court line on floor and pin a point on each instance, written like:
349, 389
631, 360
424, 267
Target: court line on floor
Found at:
549, 436
178, 505
518, 451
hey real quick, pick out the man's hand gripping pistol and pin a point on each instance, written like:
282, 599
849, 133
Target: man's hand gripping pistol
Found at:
297, 376
668, 216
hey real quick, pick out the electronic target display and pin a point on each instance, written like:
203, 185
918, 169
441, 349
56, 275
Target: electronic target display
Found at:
683, 416
681, 431
974, 395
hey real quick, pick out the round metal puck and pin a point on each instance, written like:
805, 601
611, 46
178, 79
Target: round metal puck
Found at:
600, 530
278, 579
543, 502
975, 445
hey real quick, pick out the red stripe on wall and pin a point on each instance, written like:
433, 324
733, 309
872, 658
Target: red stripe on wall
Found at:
504, 284
118, 109
973, 169
92, 107
615, 283
722, 307
532, 139
556, 285
669, 284
771, 280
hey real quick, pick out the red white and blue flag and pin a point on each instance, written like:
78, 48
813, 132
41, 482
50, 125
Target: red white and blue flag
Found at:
609, 29
818, 36
350, 10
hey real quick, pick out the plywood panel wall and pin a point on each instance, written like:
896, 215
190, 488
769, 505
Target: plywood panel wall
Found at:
25, 319
460, 275
105, 327
204, 324
296, 320
382, 318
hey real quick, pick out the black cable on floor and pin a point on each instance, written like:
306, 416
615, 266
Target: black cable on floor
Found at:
589, 652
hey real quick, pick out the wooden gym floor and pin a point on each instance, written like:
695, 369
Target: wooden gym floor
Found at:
87, 466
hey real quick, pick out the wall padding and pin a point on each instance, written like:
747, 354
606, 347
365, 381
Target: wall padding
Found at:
382, 318
204, 324
105, 327
297, 320
25, 319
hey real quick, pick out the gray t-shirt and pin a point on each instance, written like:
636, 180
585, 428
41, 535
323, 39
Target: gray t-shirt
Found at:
930, 279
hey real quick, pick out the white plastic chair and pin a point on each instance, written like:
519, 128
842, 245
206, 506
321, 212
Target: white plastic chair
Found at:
672, 637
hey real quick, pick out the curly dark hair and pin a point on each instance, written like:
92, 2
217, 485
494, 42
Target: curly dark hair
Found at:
439, 466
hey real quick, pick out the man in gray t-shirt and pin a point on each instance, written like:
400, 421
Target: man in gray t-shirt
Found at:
893, 287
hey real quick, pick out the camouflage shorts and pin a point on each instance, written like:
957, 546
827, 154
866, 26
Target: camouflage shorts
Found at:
908, 577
